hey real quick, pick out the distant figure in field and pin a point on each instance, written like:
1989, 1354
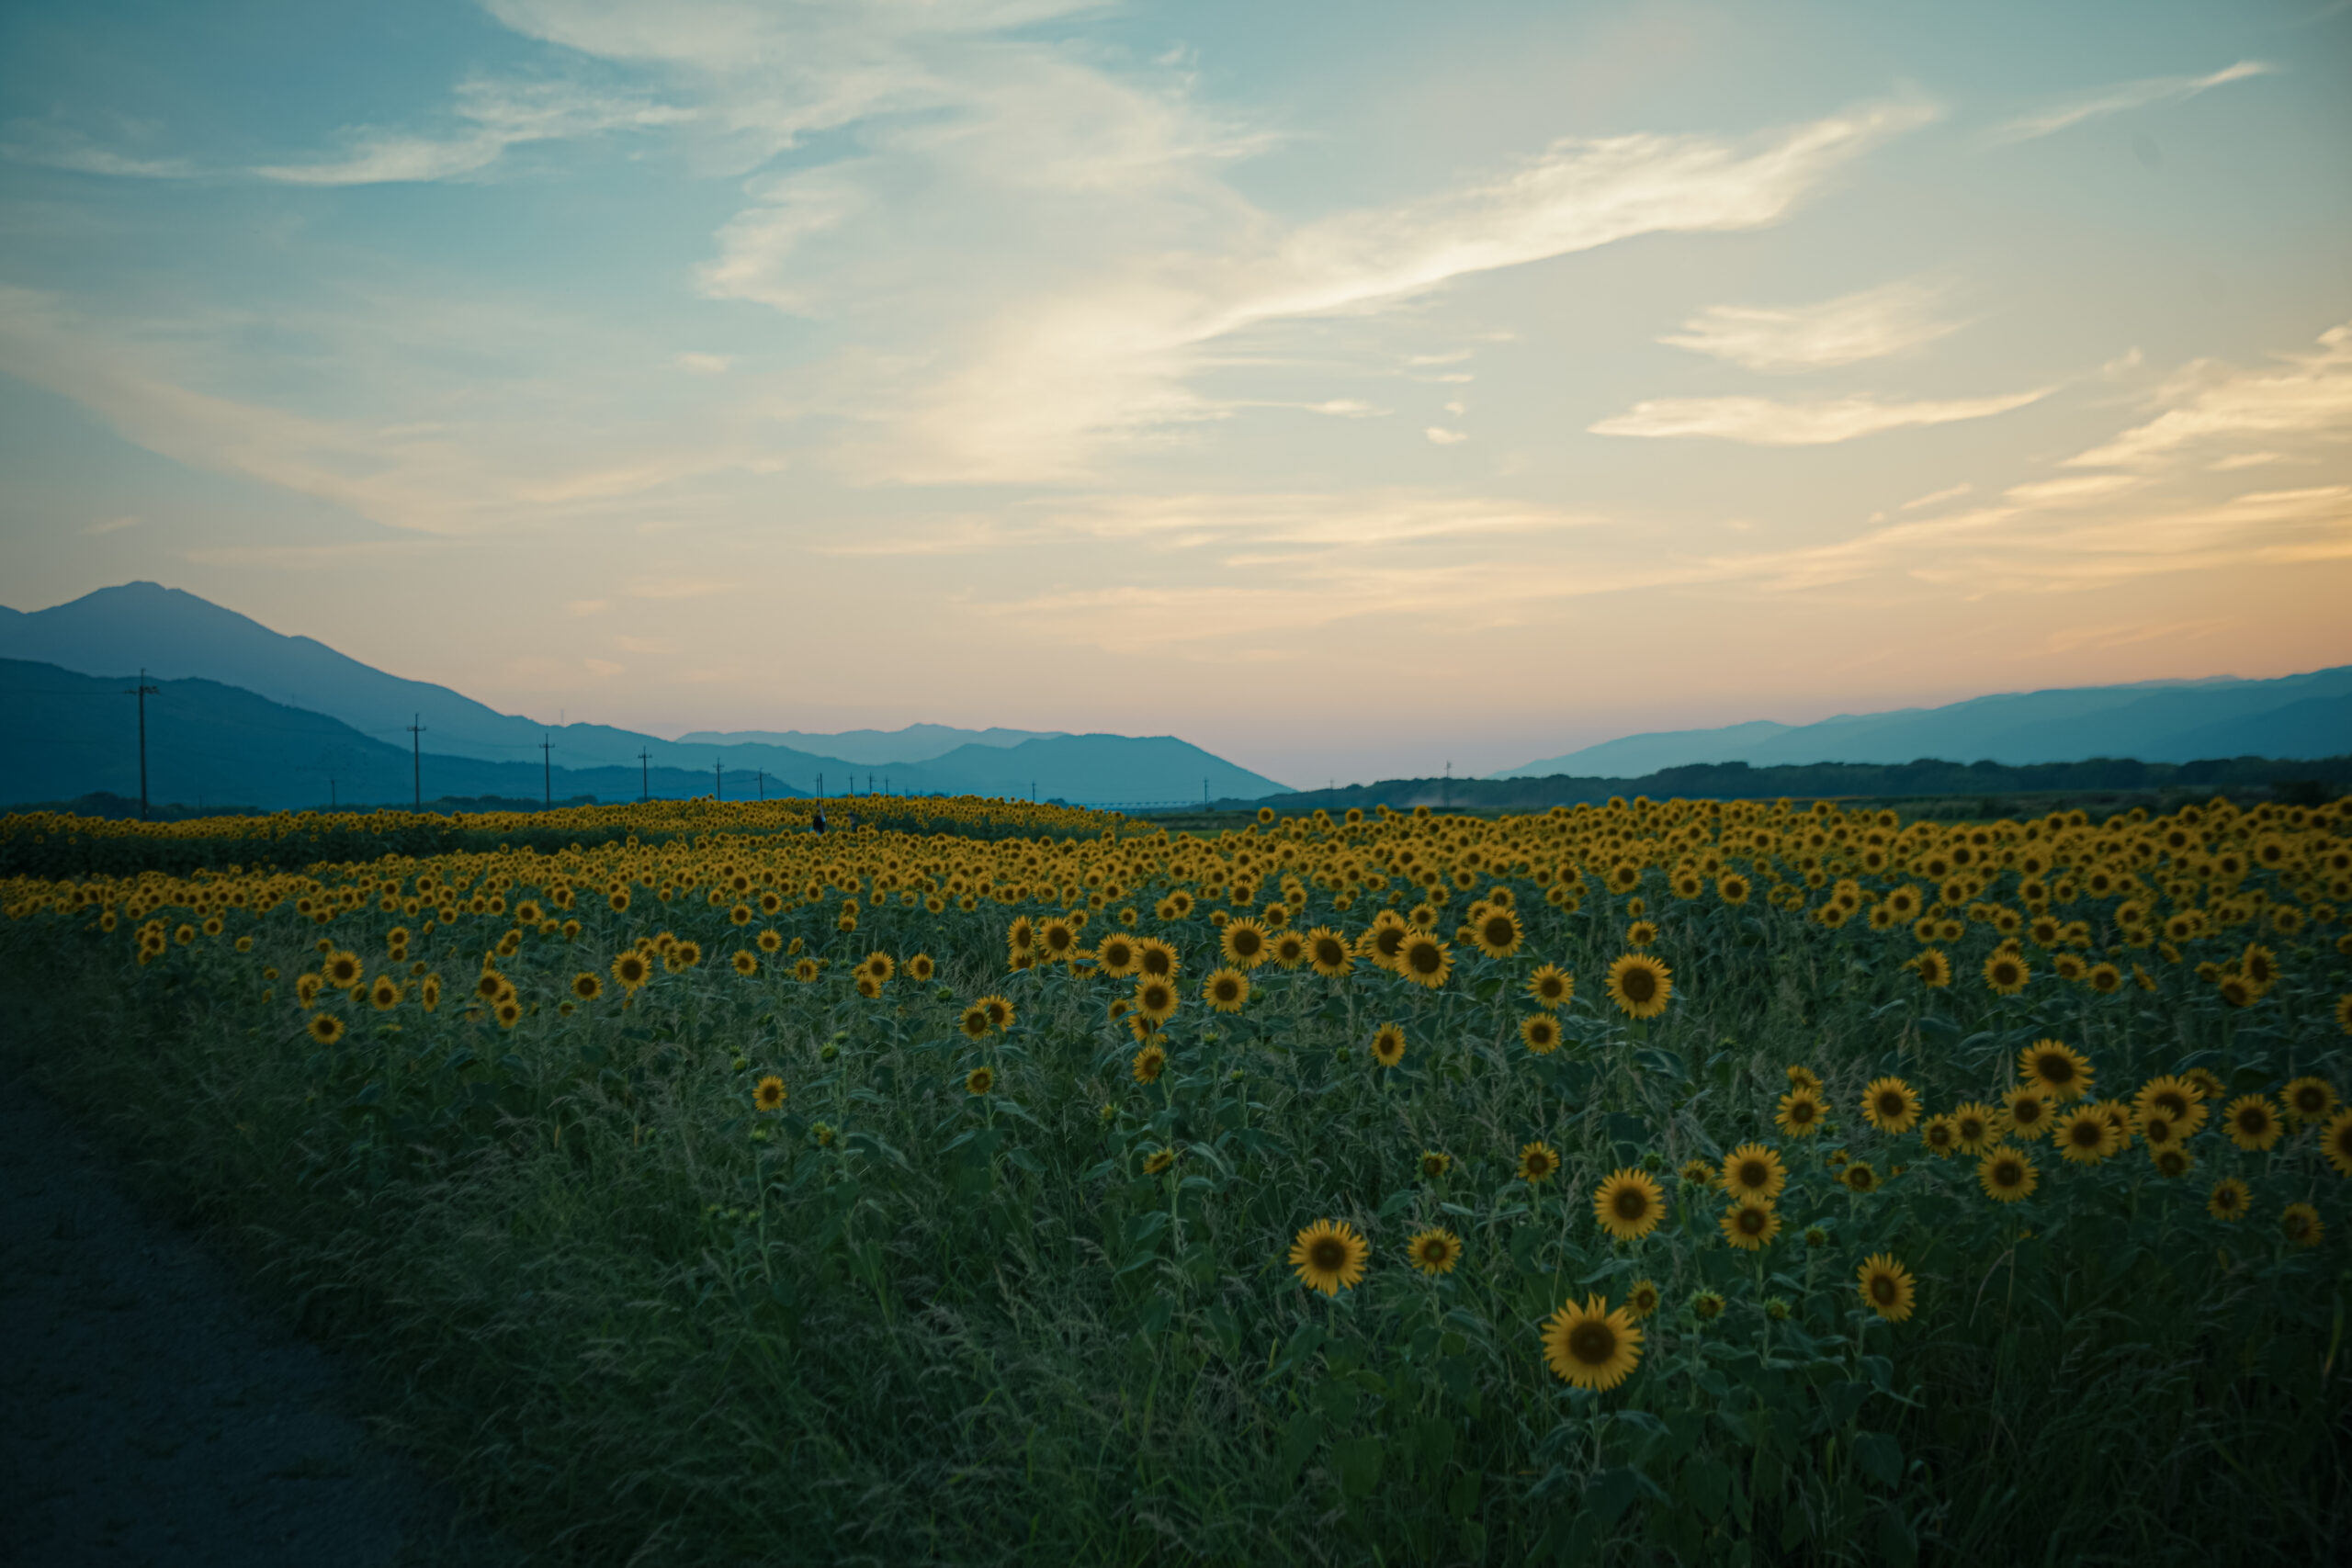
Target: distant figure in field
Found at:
817, 823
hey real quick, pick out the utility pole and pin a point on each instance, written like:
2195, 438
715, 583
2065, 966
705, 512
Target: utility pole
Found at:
416, 756
547, 770
717, 781
1445, 790
644, 774
142, 691
820, 789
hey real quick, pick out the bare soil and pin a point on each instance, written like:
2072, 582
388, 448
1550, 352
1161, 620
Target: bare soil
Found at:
152, 1412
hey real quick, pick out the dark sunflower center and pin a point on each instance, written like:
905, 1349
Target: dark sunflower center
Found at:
1890, 1104
1883, 1290
2056, 1069
1801, 1111
1752, 1222
1631, 1204
1329, 1254
1639, 984
1754, 1173
1593, 1344
1425, 958
2008, 1174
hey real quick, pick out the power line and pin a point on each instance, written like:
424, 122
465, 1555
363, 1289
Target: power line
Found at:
416, 755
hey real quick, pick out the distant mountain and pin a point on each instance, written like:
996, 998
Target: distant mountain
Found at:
872, 748
176, 635
2294, 716
63, 735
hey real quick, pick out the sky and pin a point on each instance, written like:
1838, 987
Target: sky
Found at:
1351, 389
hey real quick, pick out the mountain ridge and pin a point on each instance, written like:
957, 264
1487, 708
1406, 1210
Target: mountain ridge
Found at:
2305, 714
177, 636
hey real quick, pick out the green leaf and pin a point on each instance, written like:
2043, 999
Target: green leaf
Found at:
1358, 1461
1842, 1401
1610, 1492
1706, 1482
1880, 1456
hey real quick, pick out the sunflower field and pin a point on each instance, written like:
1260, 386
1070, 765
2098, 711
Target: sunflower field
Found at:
1663, 1182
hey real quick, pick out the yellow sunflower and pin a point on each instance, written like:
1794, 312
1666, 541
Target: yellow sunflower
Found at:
1148, 1064
1244, 943
2308, 1100
1388, 1044
1497, 934
1228, 990
1753, 1172
1328, 1255
2027, 1111
1156, 1001
1640, 985
1628, 1204
980, 1080
1329, 954
2229, 1199
1435, 1252
2253, 1123
2061, 1071
1541, 1032
1886, 1287
2006, 973
1551, 986
769, 1095
1538, 1161
2302, 1224
2007, 1175
2336, 1142
2085, 1135
1592, 1346
1750, 1226
1890, 1105
1424, 960
1800, 1113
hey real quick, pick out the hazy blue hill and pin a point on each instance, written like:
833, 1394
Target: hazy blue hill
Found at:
2294, 716
872, 748
63, 735
176, 635
1093, 770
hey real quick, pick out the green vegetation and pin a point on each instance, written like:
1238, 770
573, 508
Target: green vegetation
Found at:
663, 1253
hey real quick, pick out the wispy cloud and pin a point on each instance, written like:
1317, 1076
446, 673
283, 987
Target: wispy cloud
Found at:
1761, 421
496, 115
1935, 498
2312, 396
1090, 333
1868, 325
31, 142
112, 526
2118, 99
1443, 437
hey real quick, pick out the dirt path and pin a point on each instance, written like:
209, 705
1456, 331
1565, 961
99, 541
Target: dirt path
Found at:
149, 1413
